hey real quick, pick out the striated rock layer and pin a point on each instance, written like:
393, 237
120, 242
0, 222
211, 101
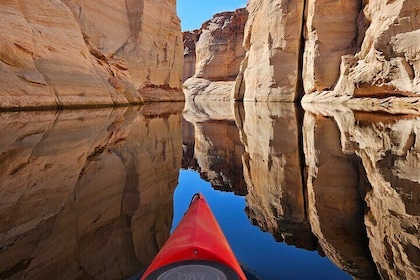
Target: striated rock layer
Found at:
218, 55
364, 52
379, 57
270, 70
81, 197
87, 53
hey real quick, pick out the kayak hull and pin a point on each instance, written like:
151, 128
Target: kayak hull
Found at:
196, 248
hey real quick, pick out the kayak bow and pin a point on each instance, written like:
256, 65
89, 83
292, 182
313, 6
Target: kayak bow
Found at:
197, 249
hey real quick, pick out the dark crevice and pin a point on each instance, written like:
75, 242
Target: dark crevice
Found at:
300, 91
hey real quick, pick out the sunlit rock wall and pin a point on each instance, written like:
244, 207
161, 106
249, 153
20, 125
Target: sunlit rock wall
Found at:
330, 32
81, 197
388, 152
219, 53
388, 59
270, 70
273, 173
217, 150
145, 34
101, 54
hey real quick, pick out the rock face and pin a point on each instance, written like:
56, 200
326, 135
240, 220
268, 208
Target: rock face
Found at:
219, 53
327, 51
190, 39
331, 31
102, 54
270, 70
81, 197
387, 63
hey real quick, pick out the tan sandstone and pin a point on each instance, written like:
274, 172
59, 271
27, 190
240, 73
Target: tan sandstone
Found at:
219, 53
387, 64
270, 70
100, 55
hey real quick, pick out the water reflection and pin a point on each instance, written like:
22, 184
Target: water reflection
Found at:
82, 196
89, 193
343, 182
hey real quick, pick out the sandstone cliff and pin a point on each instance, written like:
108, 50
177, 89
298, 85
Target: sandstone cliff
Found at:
325, 51
190, 39
386, 36
110, 209
219, 53
101, 54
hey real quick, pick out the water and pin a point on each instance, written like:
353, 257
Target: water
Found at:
256, 250
95, 193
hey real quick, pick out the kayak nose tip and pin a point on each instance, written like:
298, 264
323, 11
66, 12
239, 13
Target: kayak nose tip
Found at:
196, 197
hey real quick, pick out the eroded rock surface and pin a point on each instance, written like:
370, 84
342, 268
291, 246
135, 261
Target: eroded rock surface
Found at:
101, 54
388, 57
190, 39
219, 53
270, 70
81, 197
360, 52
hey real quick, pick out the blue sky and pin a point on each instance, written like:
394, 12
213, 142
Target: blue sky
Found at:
194, 12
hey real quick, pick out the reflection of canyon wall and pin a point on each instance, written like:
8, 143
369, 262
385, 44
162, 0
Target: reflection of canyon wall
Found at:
387, 173
218, 53
81, 195
335, 206
102, 53
212, 145
272, 169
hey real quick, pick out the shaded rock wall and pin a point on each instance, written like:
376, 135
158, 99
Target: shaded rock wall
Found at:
190, 39
81, 197
387, 61
102, 54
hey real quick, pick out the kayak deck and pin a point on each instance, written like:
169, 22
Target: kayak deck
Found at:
197, 249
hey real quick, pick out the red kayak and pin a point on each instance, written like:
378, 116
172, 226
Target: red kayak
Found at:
197, 249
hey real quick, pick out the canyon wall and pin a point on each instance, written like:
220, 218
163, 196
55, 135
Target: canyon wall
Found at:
108, 211
218, 55
358, 52
88, 53
270, 70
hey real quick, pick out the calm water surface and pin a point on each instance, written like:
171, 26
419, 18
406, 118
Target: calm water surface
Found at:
324, 193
